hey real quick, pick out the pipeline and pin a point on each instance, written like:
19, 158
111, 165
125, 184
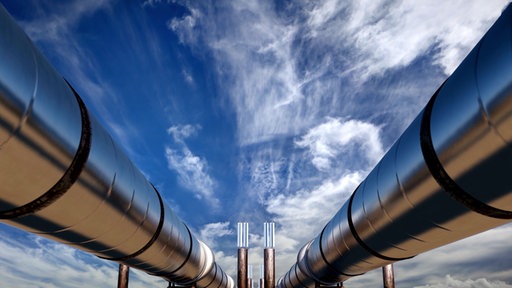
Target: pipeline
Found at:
64, 178
446, 178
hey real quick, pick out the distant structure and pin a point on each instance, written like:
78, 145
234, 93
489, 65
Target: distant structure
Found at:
249, 276
267, 270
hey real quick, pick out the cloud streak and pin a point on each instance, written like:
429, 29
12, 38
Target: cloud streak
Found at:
192, 170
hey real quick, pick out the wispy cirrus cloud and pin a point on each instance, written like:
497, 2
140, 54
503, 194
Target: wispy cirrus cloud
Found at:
390, 34
62, 32
55, 28
192, 170
284, 72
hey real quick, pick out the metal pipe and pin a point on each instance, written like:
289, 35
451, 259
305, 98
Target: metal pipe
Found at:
446, 178
388, 276
64, 178
123, 276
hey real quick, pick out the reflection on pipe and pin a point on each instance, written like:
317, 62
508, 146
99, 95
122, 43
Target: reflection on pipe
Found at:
65, 179
446, 178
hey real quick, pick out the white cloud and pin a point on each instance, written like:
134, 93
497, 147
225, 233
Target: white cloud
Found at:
182, 132
389, 34
185, 26
261, 55
211, 232
192, 170
37, 262
328, 141
256, 58
450, 282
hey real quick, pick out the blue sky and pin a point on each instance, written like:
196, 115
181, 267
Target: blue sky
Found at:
255, 111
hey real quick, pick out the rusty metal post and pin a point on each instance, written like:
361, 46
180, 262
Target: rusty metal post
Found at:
249, 276
269, 255
388, 275
243, 244
262, 276
242, 268
122, 279
269, 273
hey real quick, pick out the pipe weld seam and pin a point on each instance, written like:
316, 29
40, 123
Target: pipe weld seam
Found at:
441, 176
69, 177
325, 260
215, 275
361, 242
153, 238
171, 274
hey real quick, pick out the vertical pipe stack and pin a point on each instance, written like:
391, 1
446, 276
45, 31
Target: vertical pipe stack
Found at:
64, 178
446, 178
269, 255
243, 245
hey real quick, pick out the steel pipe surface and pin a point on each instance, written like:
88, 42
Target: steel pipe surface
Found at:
64, 178
446, 178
